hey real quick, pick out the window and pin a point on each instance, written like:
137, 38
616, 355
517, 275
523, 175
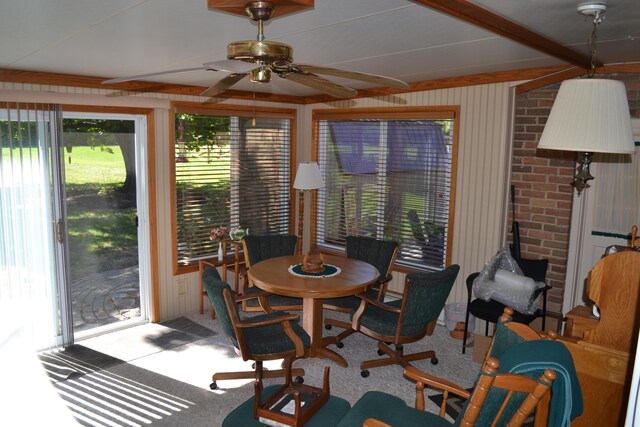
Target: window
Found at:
389, 174
232, 169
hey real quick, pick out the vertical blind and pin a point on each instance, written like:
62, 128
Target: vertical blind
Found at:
231, 171
28, 285
388, 179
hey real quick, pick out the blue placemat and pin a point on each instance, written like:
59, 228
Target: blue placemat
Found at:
329, 270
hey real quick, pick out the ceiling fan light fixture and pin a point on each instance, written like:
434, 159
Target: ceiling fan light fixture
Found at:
260, 75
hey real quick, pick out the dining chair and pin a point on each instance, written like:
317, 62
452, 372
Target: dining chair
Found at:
269, 336
258, 248
515, 380
381, 254
404, 320
490, 311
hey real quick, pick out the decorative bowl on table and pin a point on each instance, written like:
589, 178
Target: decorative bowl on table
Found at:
313, 262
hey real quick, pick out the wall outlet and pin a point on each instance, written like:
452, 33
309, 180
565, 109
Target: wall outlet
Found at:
182, 286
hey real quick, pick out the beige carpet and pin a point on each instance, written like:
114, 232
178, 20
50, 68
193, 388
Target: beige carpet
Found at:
186, 353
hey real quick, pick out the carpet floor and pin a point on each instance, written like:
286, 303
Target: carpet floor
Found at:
159, 374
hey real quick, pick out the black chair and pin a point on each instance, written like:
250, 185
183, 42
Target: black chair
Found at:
259, 248
381, 254
490, 311
406, 320
269, 336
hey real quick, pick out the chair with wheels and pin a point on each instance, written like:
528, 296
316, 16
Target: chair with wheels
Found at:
405, 320
270, 336
258, 248
490, 311
381, 254
515, 380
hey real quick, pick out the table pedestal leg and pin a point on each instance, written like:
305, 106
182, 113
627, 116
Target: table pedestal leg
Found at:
312, 313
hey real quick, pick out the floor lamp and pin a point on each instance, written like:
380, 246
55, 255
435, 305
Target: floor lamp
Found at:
307, 178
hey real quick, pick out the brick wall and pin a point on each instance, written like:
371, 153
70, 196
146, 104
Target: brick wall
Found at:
542, 180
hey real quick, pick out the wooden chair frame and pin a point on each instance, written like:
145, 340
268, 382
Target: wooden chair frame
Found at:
538, 398
397, 356
239, 326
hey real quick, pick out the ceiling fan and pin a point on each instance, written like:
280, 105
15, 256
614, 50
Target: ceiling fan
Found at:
261, 58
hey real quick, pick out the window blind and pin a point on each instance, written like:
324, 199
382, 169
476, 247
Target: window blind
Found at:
388, 179
231, 171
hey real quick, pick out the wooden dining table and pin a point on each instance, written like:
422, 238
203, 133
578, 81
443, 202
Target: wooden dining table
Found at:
272, 275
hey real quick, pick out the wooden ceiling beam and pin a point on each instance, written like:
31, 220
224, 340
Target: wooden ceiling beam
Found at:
475, 15
59, 79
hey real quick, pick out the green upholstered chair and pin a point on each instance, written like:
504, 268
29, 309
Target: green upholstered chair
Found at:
381, 254
269, 336
515, 379
258, 248
405, 320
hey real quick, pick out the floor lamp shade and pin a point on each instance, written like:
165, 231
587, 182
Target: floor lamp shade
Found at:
589, 116
308, 177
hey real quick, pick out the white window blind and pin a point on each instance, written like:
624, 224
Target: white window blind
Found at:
231, 171
387, 178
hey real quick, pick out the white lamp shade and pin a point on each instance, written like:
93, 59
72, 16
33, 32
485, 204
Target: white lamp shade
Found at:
308, 177
589, 116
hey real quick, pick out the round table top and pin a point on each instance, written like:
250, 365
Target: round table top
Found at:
272, 275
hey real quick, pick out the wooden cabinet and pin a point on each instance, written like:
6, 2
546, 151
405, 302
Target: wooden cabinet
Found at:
602, 349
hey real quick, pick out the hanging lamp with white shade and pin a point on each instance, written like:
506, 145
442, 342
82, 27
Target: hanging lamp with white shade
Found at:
589, 115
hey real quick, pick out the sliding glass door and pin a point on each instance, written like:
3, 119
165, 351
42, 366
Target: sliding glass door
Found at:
102, 205
74, 227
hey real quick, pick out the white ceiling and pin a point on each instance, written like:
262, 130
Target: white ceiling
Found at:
396, 38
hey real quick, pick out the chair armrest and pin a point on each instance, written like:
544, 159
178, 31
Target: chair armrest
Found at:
254, 295
382, 286
372, 422
285, 318
542, 290
366, 299
435, 382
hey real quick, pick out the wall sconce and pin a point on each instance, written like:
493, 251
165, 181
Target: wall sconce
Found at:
589, 115
307, 178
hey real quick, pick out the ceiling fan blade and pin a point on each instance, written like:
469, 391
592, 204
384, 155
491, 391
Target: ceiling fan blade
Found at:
159, 73
223, 84
355, 75
323, 85
231, 66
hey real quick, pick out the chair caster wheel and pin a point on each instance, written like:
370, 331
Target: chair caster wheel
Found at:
328, 327
339, 344
434, 360
299, 380
380, 352
213, 386
364, 373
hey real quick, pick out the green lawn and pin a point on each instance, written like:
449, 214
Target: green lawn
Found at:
101, 222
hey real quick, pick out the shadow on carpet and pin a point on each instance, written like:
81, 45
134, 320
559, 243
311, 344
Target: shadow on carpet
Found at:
102, 390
